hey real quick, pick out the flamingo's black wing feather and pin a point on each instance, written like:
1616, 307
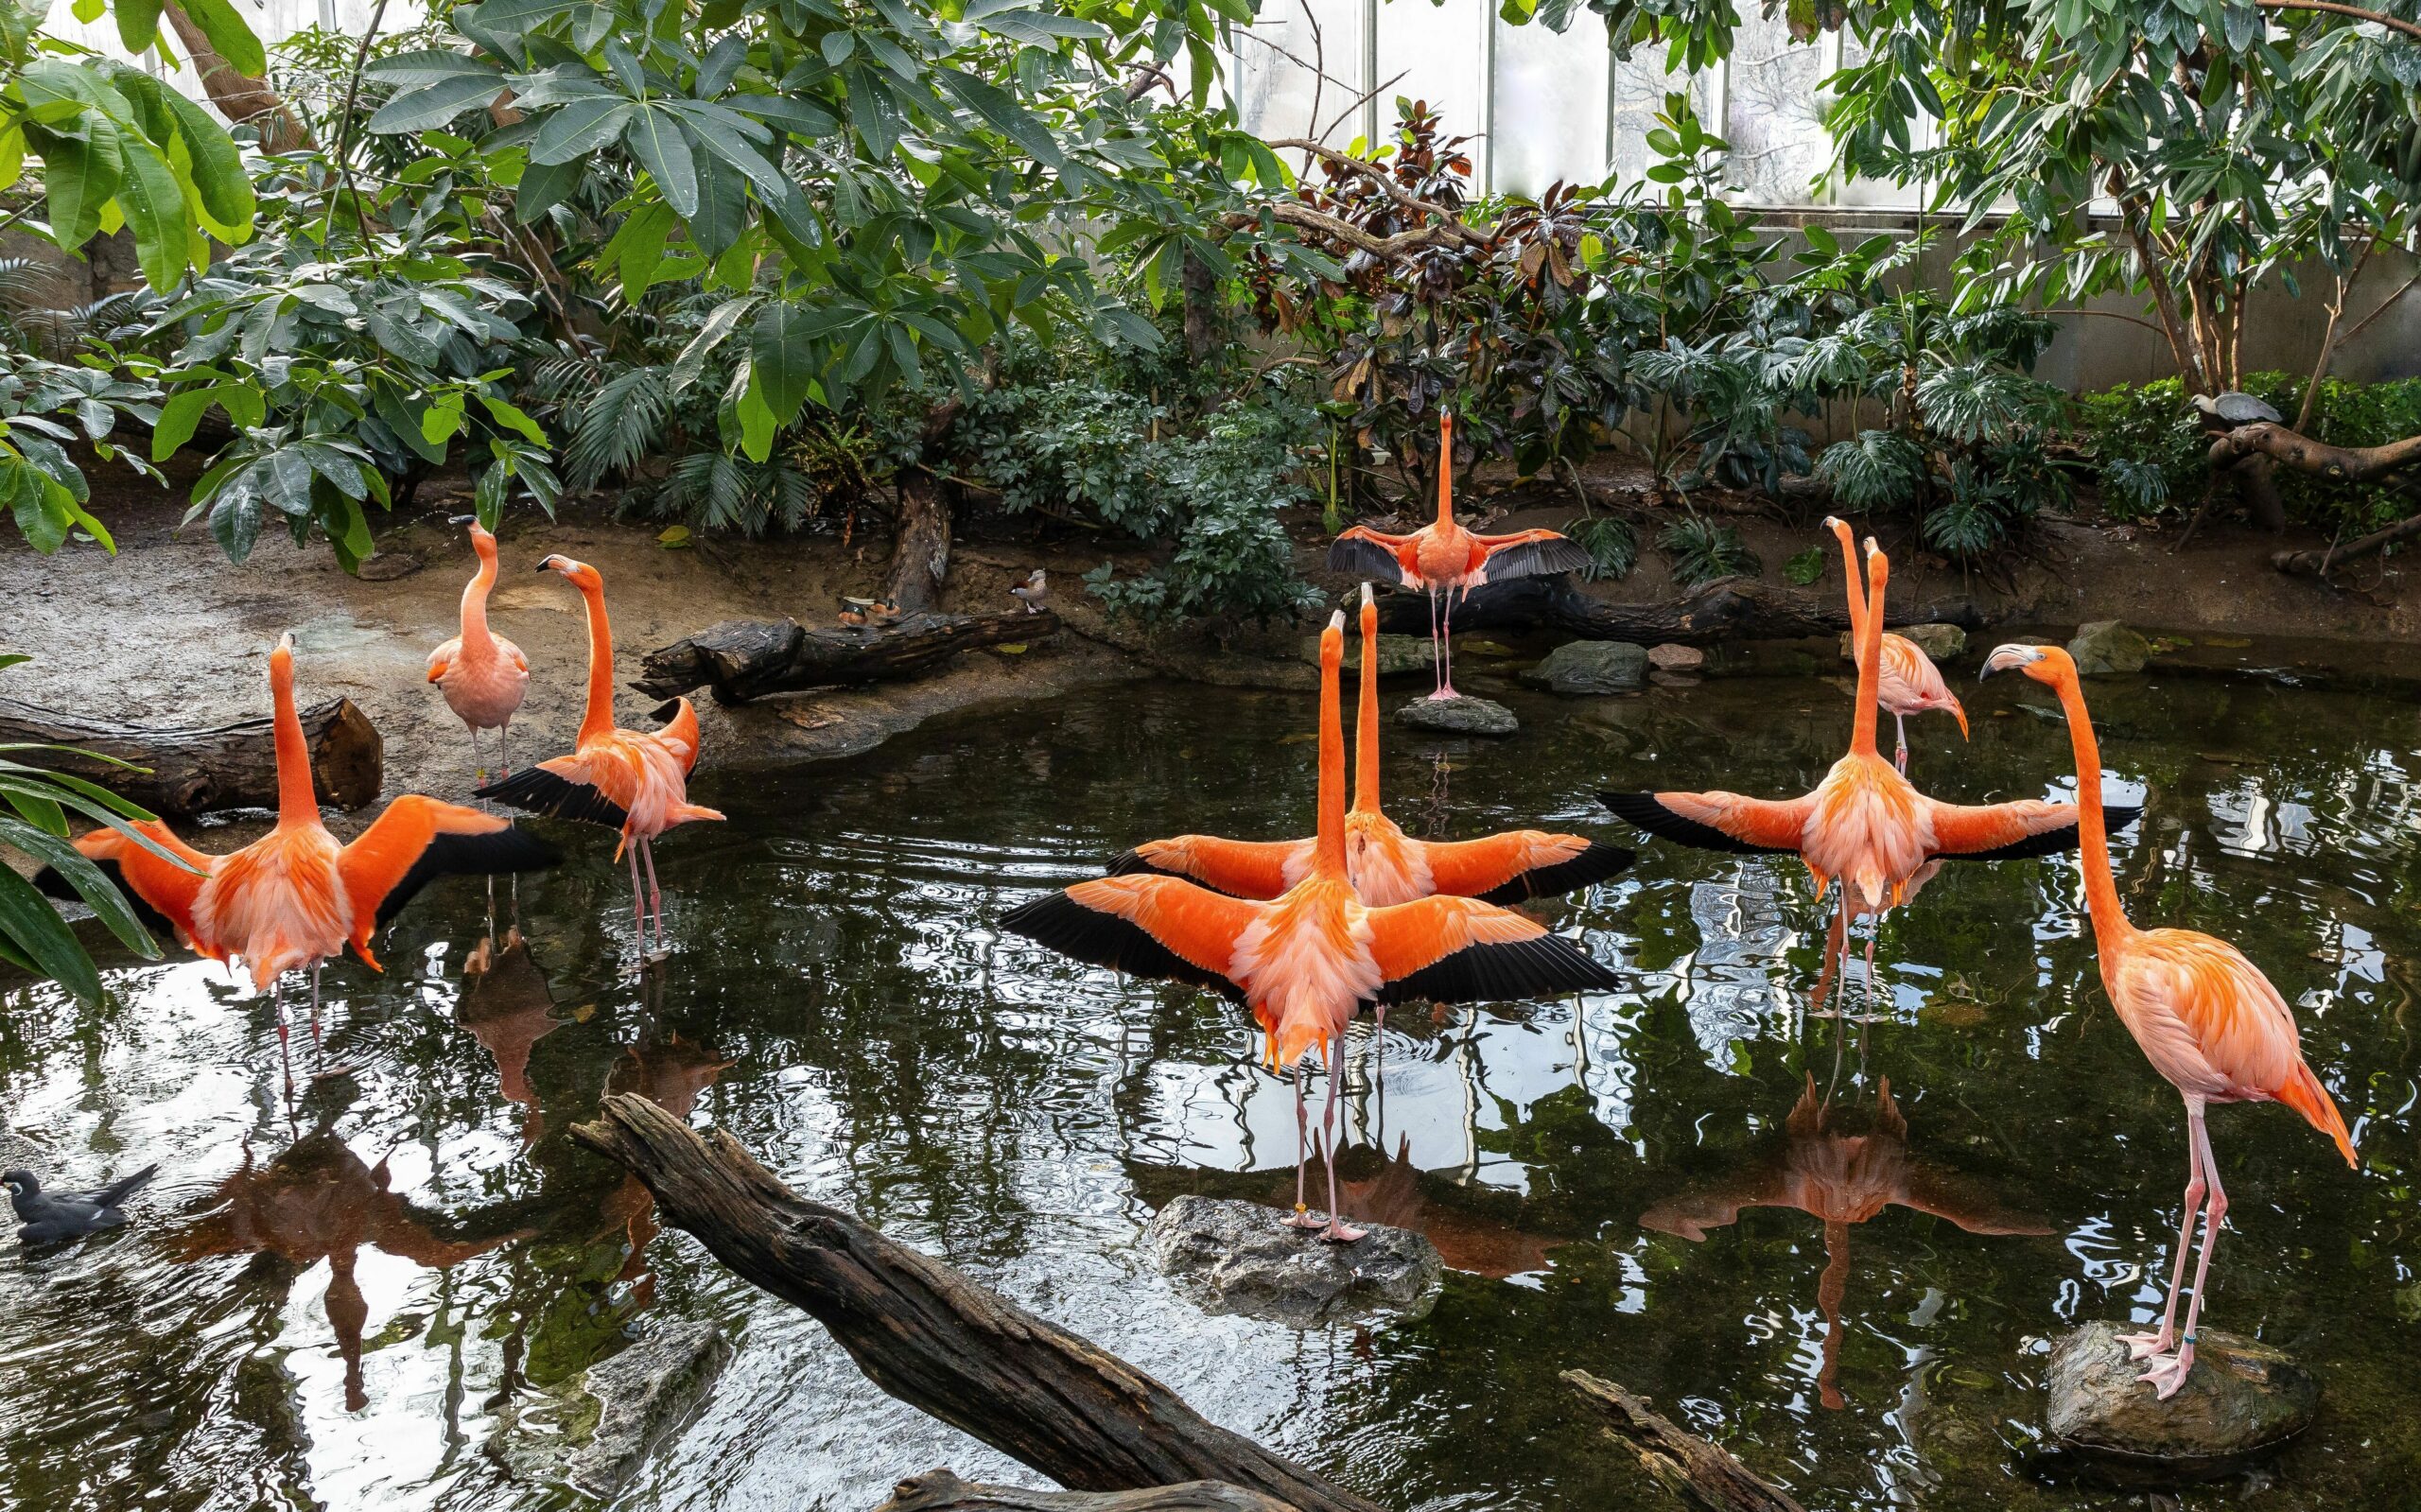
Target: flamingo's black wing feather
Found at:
1541, 967
1101, 938
1364, 559
1643, 810
513, 849
2050, 841
537, 791
1594, 864
1537, 559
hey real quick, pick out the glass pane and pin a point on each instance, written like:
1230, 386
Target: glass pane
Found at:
1436, 49
1550, 105
1288, 67
1776, 124
1640, 87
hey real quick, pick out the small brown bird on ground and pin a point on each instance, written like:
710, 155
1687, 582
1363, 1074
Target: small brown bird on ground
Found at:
1032, 591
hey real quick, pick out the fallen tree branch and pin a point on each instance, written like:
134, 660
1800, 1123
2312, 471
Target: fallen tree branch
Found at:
192, 771
742, 659
941, 1492
2351, 465
2317, 563
1378, 173
1701, 1473
1303, 217
934, 1339
1726, 609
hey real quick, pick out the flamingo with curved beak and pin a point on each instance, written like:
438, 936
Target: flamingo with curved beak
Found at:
1306, 960
1908, 682
637, 781
1386, 865
483, 676
294, 897
2203, 1015
1863, 826
1444, 560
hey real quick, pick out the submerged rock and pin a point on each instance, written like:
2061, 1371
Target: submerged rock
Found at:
2107, 646
1458, 716
1582, 667
2242, 1399
598, 1427
1938, 641
1237, 1257
1398, 654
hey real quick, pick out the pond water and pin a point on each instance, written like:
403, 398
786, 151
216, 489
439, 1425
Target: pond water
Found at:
348, 1301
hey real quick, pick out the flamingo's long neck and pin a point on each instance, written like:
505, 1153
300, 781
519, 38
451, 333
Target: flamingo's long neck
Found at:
1857, 585
296, 804
1328, 853
476, 642
1445, 471
1365, 726
2110, 922
598, 721
1870, 660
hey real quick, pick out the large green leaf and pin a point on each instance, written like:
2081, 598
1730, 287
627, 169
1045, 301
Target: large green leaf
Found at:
230, 37
664, 151
81, 175
29, 924
91, 883
218, 176
783, 352
138, 24
155, 212
433, 105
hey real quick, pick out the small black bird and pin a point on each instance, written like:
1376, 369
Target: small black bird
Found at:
55, 1216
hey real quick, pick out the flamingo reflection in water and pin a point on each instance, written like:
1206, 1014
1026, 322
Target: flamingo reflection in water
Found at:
507, 1006
319, 1201
1841, 1179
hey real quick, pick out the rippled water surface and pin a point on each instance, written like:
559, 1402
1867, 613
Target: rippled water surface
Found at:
353, 1300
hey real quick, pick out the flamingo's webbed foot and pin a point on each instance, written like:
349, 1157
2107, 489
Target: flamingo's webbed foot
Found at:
1300, 1218
2144, 1345
1339, 1232
2169, 1372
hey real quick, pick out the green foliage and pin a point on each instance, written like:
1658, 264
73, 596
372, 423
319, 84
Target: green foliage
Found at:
35, 825
2153, 453
1701, 551
1612, 544
1806, 567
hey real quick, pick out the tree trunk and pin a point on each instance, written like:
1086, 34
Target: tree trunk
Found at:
1727, 609
934, 1339
742, 659
243, 101
1703, 1474
941, 1492
920, 553
191, 772
1201, 290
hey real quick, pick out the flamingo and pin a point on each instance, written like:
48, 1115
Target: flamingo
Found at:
635, 780
1385, 865
1910, 681
294, 897
483, 676
1864, 824
1304, 961
1443, 559
2203, 1015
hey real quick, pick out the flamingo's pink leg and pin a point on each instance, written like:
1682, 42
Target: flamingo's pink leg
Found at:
1302, 1216
1337, 1231
2144, 1345
2169, 1374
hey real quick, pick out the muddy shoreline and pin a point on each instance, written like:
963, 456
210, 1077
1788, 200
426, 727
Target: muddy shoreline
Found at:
168, 633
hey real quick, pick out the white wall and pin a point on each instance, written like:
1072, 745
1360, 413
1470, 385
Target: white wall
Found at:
273, 19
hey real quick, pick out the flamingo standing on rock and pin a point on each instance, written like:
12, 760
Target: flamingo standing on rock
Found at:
1864, 826
637, 781
1304, 961
1908, 682
294, 897
1443, 559
483, 676
2205, 1015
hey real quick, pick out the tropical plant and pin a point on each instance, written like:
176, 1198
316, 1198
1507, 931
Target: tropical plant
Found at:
1701, 551
32, 935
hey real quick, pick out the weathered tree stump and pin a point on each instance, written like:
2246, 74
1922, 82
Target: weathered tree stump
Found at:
941, 1492
1726, 609
1701, 1473
936, 1340
742, 659
191, 772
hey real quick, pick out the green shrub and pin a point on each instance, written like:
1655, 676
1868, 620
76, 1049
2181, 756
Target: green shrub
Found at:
1701, 551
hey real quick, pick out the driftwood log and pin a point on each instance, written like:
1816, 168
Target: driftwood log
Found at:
1726, 609
1703, 1474
742, 659
191, 772
941, 1492
936, 1340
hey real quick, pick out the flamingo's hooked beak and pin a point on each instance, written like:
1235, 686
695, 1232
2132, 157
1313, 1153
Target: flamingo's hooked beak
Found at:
286, 641
461, 519
1831, 522
547, 565
2007, 658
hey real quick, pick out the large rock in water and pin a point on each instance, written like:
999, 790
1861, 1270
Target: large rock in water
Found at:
1938, 641
598, 1427
2242, 1399
1238, 1257
1581, 666
1458, 716
2107, 646
1398, 654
